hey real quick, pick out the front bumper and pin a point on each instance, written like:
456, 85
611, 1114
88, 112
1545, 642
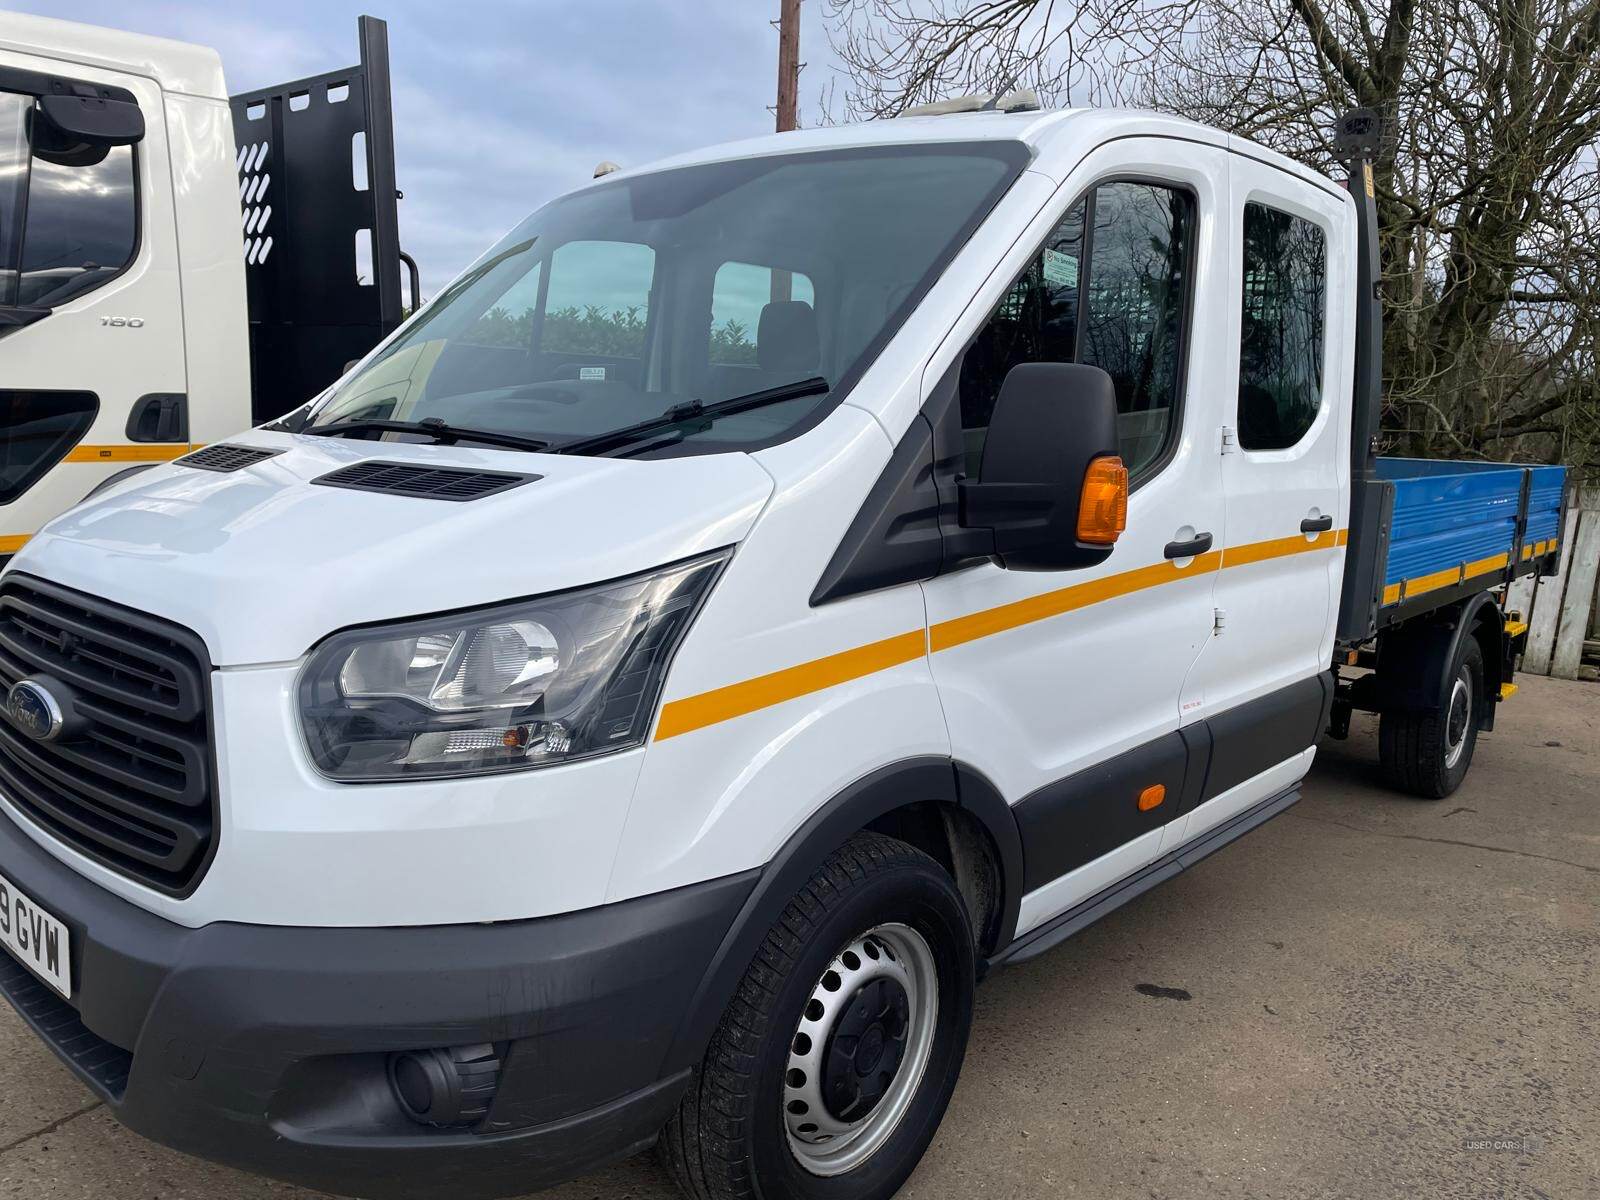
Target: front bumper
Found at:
264, 1047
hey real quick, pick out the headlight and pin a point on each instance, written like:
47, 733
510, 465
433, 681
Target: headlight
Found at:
523, 685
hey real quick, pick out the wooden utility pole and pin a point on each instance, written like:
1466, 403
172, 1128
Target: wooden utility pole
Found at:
788, 64
788, 104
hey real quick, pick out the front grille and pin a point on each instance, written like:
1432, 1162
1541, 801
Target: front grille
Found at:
129, 780
103, 1066
414, 479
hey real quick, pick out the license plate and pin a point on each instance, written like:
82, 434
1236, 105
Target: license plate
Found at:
36, 939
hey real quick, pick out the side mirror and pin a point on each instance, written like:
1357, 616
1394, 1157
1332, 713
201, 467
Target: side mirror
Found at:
97, 120
1051, 489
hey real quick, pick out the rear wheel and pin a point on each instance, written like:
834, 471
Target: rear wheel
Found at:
835, 1060
1428, 753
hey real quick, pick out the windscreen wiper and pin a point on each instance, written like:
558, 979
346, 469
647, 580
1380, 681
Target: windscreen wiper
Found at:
693, 413
441, 432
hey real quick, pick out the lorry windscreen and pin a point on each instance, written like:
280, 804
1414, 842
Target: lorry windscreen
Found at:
683, 289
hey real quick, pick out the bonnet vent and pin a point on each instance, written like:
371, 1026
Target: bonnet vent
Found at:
225, 458
415, 479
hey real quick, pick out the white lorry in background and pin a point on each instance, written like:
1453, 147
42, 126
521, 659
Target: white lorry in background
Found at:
762, 595
134, 322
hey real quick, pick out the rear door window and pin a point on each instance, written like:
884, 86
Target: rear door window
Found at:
1280, 348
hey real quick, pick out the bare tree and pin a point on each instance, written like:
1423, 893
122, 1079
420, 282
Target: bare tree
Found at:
1489, 192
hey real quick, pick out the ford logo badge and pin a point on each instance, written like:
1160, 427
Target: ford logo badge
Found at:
34, 710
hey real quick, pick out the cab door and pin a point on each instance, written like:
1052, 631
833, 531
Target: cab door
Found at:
1063, 688
1261, 685
92, 372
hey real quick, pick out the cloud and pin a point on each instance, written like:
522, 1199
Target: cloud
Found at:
502, 105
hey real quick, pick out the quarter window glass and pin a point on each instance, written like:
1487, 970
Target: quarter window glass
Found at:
599, 299
1280, 351
1109, 288
739, 293
510, 322
36, 431
81, 218
13, 187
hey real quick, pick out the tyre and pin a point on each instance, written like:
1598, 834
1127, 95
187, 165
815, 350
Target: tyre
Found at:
833, 1064
1427, 754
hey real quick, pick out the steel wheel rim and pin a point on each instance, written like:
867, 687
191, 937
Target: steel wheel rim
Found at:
885, 957
1457, 721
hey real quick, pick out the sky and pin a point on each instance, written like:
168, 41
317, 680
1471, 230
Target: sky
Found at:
500, 105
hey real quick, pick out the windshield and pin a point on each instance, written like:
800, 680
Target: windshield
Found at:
615, 305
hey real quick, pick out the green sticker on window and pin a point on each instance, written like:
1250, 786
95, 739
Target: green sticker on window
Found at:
1060, 270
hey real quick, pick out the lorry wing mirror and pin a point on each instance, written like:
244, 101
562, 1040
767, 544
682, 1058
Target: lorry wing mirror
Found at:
1051, 487
97, 120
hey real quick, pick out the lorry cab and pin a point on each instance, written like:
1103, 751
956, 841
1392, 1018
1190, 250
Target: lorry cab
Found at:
762, 594
101, 331
162, 284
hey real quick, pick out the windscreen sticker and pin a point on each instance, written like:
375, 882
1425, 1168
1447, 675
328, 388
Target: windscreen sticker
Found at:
1060, 270
592, 373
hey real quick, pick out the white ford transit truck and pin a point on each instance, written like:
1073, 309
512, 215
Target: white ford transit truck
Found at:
764, 594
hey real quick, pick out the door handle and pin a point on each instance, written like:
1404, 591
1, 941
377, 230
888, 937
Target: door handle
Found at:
1316, 524
1199, 544
159, 417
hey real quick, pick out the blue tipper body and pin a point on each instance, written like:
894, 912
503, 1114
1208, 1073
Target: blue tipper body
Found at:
1460, 521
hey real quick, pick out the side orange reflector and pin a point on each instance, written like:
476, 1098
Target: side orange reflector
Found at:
1152, 796
1103, 506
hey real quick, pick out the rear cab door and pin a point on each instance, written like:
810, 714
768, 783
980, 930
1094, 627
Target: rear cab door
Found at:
1261, 685
90, 304
1063, 688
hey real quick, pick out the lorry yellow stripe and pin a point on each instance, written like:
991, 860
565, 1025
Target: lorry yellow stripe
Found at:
764, 691
148, 452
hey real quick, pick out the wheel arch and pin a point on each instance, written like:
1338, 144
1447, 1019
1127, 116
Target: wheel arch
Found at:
917, 800
1414, 662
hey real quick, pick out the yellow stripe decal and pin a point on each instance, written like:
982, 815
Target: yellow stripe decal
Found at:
151, 452
990, 621
1238, 556
737, 699
764, 691
1440, 579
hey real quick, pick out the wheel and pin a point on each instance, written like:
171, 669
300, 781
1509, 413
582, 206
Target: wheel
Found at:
833, 1064
1427, 754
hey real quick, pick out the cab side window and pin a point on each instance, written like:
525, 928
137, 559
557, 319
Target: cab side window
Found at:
1110, 288
1280, 350
740, 293
68, 210
13, 187
598, 299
